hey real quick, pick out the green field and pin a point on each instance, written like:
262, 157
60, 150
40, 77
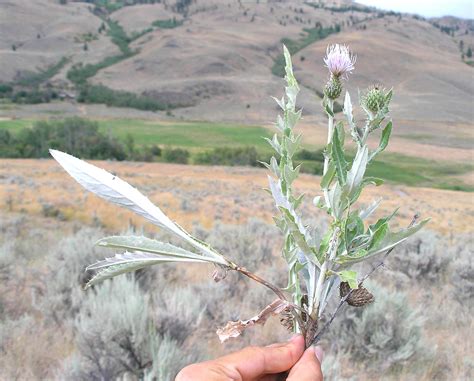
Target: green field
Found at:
192, 135
203, 136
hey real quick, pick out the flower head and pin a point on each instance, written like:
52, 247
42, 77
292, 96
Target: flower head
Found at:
376, 99
339, 60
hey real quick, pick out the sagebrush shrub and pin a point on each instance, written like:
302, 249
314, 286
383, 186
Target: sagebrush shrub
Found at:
65, 276
424, 258
384, 334
178, 312
116, 336
462, 280
251, 244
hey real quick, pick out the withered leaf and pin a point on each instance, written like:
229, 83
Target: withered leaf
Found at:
235, 328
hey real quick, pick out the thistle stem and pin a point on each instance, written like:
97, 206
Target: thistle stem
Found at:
272, 287
326, 158
344, 299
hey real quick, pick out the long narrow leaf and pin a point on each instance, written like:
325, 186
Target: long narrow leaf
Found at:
152, 246
338, 158
128, 262
357, 171
384, 138
113, 189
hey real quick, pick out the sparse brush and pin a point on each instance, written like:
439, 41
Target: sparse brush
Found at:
178, 312
316, 261
116, 337
462, 280
62, 293
425, 258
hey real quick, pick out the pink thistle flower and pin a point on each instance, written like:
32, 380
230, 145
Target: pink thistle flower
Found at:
339, 60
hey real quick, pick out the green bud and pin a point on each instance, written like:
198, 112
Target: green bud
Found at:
333, 88
375, 99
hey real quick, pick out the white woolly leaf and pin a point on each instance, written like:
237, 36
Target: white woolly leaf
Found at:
113, 189
357, 171
152, 246
128, 262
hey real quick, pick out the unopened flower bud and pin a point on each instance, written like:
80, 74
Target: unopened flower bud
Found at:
375, 99
333, 88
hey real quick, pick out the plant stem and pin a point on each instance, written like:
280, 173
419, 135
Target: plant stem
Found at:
344, 299
260, 280
272, 287
325, 267
326, 157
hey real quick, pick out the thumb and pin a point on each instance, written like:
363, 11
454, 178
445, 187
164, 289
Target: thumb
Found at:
308, 368
254, 362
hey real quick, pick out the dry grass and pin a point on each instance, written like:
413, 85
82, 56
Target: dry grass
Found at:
232, 195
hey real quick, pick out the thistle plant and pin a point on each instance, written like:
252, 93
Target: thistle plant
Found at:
319, 263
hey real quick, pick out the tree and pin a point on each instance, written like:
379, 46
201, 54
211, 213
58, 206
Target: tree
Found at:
469, 52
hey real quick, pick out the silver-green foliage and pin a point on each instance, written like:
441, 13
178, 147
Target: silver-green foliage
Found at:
462, 279
116, 337
62, 296
320, 258
424, 258
316, 260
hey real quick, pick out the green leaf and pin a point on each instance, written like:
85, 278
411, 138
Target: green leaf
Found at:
394, 238
356, 174
354, 227
373, 180
384, 138
379, 235
338, 158
381, 221
298, 231
327, 178
349, 276
357, 256
341, 132
329, 111
324, 245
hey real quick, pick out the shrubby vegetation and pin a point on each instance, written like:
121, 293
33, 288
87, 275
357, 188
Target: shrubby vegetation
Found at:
72, 135
116, 98
176, 155
384, 334
424, 258
168, 23
118, 330
28, 90
229, 156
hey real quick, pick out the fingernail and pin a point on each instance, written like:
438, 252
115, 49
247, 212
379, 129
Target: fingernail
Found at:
318, 351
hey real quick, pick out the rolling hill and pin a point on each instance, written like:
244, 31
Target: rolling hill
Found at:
221, 61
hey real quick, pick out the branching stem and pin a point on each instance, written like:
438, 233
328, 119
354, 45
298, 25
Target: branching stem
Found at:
272, 287
344, 299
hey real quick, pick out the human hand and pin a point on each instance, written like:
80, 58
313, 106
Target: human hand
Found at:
260, 364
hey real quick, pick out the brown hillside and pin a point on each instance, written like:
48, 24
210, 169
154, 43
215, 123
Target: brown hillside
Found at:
43, 31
